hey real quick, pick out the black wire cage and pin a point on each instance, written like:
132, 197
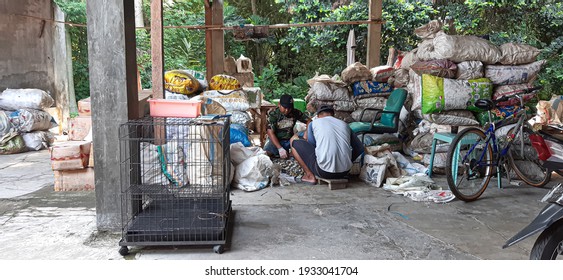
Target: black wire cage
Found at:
175, 175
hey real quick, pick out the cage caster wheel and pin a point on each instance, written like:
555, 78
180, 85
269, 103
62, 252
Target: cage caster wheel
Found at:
124, 251
218, 249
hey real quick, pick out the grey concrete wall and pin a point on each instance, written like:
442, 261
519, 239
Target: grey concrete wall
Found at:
33, 52
26, 45
108, 91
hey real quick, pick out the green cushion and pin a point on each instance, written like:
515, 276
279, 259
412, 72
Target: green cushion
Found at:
394, 104
364, 126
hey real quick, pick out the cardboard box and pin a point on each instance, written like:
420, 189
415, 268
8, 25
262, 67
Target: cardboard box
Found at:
230, 65
91, 157
75, 180
84, 107
245, 79
70, 155
58, 116
144, 96
244, 64
79, 127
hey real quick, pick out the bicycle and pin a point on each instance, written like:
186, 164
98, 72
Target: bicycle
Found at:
475, 153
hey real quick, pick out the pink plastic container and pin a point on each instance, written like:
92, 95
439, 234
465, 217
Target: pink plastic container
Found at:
175, 108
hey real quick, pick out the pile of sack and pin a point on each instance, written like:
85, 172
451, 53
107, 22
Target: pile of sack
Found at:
369, 88
223, 89
326, 90
24, 125
356, 89
446, 74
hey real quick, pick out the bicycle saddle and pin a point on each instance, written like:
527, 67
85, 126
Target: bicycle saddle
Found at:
484, 104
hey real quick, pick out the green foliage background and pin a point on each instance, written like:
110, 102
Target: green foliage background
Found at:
284, 61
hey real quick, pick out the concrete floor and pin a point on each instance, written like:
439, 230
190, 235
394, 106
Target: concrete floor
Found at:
288, 223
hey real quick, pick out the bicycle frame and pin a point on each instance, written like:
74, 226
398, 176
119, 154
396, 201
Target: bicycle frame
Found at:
491, 136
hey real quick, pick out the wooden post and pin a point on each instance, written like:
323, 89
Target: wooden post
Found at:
157, 50
214, 39
218, 46
374, 34
131, 61
208, 41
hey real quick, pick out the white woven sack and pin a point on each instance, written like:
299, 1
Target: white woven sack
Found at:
459, 48
27, 120
414, 90
515, 54
356, 72
29, 98
429, 30
513, 74
409, 59
454, 117
330, 92
425, 51
469, 70
373, 170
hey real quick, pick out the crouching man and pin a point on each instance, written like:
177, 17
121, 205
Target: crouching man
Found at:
280, 127
329, 148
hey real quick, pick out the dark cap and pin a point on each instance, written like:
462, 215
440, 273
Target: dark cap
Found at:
286, 101
325, 108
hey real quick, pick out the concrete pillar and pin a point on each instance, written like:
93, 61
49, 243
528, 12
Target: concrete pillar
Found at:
62, 56
110, 25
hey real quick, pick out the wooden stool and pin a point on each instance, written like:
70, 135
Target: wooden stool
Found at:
333, 184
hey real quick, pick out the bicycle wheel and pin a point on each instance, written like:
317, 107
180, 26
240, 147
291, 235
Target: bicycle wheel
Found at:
469, 164
525, 162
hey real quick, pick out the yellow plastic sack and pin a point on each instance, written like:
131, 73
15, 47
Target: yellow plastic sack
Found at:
179, 81
223, 82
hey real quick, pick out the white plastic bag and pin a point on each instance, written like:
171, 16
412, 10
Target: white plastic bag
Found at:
240, 153
436, 196
38, 140
254, 173
410, 168
417, 182
29, 98
204, 158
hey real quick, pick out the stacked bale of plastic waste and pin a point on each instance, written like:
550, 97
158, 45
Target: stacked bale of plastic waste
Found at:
24, 125
326, 90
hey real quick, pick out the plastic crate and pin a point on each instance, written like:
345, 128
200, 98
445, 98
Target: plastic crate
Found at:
175, 108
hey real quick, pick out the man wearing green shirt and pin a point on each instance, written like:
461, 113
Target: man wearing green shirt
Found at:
280, 127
